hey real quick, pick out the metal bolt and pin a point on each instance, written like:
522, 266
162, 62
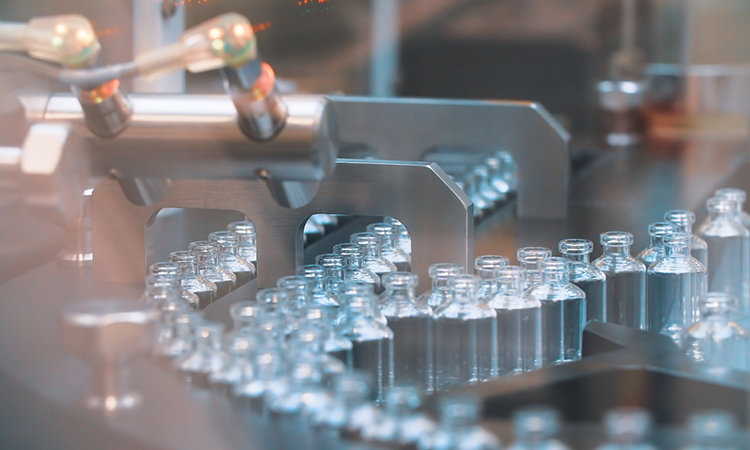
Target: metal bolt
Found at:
108, 334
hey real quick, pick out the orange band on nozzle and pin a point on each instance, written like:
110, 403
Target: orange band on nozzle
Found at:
265, 82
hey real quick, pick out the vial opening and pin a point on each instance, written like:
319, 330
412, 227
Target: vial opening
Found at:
660, 229
714, 425
616, 239
366, 239
401, 279
464, 282
490, 262
628, 424
720, 205
717, 303
678, 240
554, 264
575, 247
680, 218
536, 423
274, 296
737, 195
330, 261
444, 270
532, 255
510, 277
244, 310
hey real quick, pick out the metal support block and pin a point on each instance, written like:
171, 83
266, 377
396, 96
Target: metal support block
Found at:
438, 215
405, 129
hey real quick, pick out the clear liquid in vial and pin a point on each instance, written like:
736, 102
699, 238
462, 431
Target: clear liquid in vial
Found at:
465, 351
595, 306
673, 302
626, 299
412, 350
562, 328
726, 266
376, 358
518, 340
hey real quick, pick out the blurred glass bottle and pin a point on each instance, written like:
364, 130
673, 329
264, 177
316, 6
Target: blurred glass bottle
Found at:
307, 342
333, 343
356, 289
207, 355
163, 292
388, 250
485, 267
298, 290
371, 257
229, 257
589, 278
465, 336
209, 267
627, 429
675, 283
400, 423
739, 196
485, 187
372, 341
529, 258
728, 250
269, 379
248, 245
240, 344
171, 268
440, 293
178, 342
352, 410
192, 280
684, 221
563, 312
459, 427
411, 323
355, 271
319, 295
498, 177
656, 249
334, 266
713, 430
626, 280
305, 396
519, 323
717, 341
535, 428
402, 239
470, 183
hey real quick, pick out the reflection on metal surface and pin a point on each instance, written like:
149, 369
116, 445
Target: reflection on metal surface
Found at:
397, 189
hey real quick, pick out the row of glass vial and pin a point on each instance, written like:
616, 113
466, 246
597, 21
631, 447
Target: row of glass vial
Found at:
213, 268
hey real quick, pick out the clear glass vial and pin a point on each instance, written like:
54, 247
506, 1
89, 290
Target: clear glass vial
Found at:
319, 295
171, 268
269, 380
459, 427
372, 259
352, 410
626, 280
465, 336
656, 249
739, 197
728, 250
563, 312
208, 266
627, 428
717, 341
178, 342
248, 246
713, 430
388, 249
684, 221
485, 267
589, 278
400, 423
335, 265
355, 271
207, 355
333, 343
529, 258
229, 256
372, 341
402, 240
519, 323
675, 283
192, 280
298, 291
440, 293
536, 428
411, 323
353, 290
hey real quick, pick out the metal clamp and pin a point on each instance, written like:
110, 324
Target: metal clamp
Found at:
438, 215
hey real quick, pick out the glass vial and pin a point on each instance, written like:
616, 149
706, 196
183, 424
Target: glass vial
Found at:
459, 427
589, 278
684, 221
465, 335
372, 259
626, 280
372, 341
714, 430
563, 312
229, 257
675, 283
656, 249
208, 266
248, 246
440, 293
717, 341
529, 258
320, 295
627, 428
388, 249
402, 239
174, 269
519, 323
728, 250
334, 266
535, 428
207, 355
485, 267
192, 280
739, 197
411, 323
355, 271
400, 423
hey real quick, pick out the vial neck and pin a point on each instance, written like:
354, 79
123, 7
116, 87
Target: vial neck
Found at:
657, 241
400, 295
718, 214
617, 250
371, 251
354, 262
439, 282
678, 251
555, 277
577, 257
319, 283
464, 296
